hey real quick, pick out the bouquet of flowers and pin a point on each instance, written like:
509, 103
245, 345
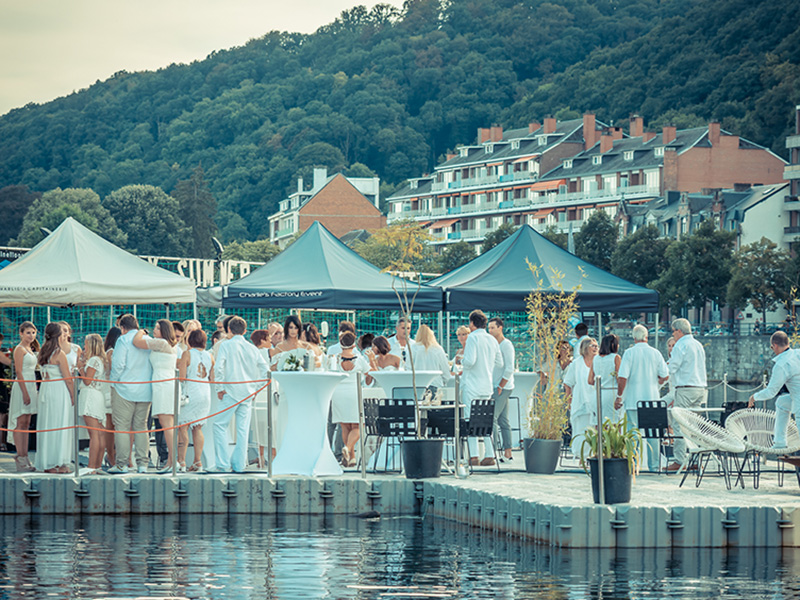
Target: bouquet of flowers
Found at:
291, 360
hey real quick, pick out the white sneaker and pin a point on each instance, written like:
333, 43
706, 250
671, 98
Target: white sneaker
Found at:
142, 469
115, 470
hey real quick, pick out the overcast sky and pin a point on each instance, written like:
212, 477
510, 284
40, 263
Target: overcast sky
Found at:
50, 48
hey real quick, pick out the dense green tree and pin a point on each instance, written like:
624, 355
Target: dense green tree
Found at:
597, 240
232, 227
15, 201
761, 275
699, 268
455, 255
640, 257
151, 219
197, 209
257, 251
495, 237
56, 205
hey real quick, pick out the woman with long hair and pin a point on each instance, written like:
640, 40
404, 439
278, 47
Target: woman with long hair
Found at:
71, 350
163, 358
428, 355
310, 336
381, 359
92, 398
108, 348
583, 402
606, 367
24, 395
54, 449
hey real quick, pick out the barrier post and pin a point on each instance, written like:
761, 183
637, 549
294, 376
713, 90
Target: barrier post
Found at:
175, 401
599, 390
724, 389
269, 427
457, 428
361, 427
76, 430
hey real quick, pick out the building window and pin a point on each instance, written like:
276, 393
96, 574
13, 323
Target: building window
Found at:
660, 151
542, 139
568, 163
463, 152
489, 148
597, 160
515, 144
628, 155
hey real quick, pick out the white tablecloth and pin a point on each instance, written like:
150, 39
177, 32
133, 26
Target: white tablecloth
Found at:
305, 449
519, 404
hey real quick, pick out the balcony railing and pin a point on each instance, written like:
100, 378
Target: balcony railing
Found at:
440, 186
793, 141
791, 172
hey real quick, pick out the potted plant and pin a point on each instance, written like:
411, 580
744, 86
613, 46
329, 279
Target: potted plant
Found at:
549, 316
621, 452
422, 456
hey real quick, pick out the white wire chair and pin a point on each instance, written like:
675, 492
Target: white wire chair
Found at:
710, 439
756, 426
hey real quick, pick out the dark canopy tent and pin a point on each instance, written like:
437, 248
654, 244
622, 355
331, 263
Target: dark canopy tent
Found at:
319, 271
500, 279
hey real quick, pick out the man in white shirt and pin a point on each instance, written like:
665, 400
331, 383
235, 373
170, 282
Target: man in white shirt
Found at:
581, 333
642, 371
503, 384
401, 341
130, 399
687, 370
237, 361
785, 372
481, 356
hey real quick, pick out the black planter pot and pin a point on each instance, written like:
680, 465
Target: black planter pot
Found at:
616, 479
541, 456
422, 459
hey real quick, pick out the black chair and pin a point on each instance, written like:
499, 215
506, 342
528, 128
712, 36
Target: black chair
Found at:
441, 423
654, 423
391, 419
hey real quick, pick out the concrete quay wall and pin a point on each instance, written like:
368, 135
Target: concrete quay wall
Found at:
743, 358
516, 504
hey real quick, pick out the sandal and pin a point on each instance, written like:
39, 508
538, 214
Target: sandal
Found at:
195, 467
346, 458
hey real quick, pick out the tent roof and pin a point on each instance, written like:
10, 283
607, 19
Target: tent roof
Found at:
74, 266
319, 271
501, 280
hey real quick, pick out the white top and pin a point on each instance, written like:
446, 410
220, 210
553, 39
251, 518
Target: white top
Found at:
432, 359
481, 356
576, 351
240, 361
687, 363
641, 365
785, 371
584, 400
506, 370
401, 351
99, 367
603, 368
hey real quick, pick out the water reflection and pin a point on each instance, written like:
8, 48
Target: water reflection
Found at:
261, 556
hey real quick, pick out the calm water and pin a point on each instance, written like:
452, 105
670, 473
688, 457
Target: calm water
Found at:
308, 557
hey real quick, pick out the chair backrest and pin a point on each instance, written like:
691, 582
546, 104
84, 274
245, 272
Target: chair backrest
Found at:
757, 427
705, 433
397, 415
481, 418
653, 420
441, 422
728, 408
371, 414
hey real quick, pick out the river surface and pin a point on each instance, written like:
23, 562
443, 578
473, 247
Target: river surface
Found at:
259, 556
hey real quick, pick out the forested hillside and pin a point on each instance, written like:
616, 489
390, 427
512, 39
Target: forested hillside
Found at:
388, 92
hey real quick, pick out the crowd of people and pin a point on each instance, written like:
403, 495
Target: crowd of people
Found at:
124, 386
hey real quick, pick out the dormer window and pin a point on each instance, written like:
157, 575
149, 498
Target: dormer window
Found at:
489, 148
412, 184
597, 160
463, 152
515, 144
628, 155
660, 151
568, 163
542, 139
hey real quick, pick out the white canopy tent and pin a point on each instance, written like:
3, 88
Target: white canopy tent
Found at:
75, 267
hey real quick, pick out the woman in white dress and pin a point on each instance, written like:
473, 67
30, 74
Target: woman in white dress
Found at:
92, 398
163, 359
72, 351
344, 404
310, 336
196, 365
54, 449
292, 328
428, 355
189, 325
258, 429
24, 395
380, 359
108, 346
605, 366
583, 404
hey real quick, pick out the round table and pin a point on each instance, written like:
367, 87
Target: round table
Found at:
524, 384
305, 449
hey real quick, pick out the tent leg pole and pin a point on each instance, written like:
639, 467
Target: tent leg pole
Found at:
447, 330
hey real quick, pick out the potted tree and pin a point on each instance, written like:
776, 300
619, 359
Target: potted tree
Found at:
621, 452
422, 456
549, 315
